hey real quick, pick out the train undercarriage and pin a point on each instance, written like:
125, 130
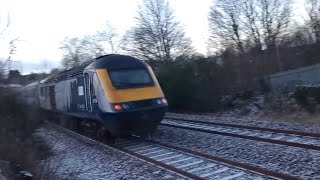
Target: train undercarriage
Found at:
103, 132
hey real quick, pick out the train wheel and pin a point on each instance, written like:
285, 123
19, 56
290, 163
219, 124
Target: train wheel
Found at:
104, 136
147, 135
89, 128
72, 123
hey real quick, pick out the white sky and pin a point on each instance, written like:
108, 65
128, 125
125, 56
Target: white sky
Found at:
42, 24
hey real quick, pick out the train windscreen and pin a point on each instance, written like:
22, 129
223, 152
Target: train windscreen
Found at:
130, 78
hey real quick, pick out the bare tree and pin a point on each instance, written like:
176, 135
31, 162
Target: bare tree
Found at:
251, 23
225, 24
157, 36
313, 10
2, 70
110, 36
92, 46
12, 51
78, 50
257, 22
7, 24
275, 19
72, 49
2, 32
301, 35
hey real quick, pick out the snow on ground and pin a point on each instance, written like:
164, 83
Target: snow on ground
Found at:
79, 159
294, 161
231, 118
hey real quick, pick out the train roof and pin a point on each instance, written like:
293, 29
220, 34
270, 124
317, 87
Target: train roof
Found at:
110, 61
117, 62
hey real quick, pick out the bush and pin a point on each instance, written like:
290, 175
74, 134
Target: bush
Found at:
192, 85
308, 97
18, 121
177, 85
17, 125
264, 85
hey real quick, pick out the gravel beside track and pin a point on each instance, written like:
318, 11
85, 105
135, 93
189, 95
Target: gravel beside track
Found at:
250, 121
284, 159
267, 135
199, 165
76, 158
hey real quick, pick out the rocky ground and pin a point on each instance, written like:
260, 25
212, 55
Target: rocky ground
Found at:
74, 158
77, 159
232, 118
289, 160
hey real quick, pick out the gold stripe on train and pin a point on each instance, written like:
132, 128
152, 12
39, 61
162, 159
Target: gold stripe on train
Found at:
131, 94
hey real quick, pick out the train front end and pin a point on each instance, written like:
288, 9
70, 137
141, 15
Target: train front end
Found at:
129, 96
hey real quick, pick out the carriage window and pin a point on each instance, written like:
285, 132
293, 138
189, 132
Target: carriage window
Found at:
130, 78
80, 90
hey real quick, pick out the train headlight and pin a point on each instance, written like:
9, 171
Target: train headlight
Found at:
159, 101
164, 101
117, 107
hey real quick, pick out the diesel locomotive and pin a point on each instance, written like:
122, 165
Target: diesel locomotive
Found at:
116, 95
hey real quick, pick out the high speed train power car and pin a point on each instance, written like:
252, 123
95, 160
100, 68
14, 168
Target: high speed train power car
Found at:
113, 94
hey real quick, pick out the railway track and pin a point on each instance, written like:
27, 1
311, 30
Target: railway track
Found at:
276, 136
188, 163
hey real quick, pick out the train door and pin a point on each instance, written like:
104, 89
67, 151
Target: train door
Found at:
87, 86
52, 97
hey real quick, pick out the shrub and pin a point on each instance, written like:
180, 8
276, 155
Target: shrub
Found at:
177, 85
18, 120
308, 97
264, 85
192, 85
17, 125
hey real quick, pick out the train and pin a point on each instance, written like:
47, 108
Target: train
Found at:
112, 95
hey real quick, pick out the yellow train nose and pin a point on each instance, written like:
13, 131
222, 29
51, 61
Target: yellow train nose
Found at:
115, 95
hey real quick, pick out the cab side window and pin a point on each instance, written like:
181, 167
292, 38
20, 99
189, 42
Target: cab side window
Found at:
87, 81
92, 90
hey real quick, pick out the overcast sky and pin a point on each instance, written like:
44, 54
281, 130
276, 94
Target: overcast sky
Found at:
42, 24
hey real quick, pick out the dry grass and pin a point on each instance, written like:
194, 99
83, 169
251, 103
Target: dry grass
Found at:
285, 109
281, 108
301, 117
